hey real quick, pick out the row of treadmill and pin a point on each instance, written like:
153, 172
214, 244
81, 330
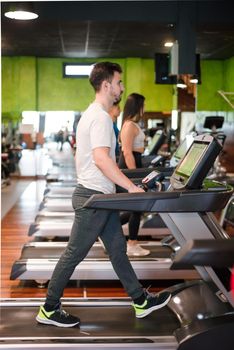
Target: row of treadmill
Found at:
187, 243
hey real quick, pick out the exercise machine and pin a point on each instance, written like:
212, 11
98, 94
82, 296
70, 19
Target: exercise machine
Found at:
200, 313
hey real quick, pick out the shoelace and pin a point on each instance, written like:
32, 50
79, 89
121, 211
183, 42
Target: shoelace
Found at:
63, 313
149, 294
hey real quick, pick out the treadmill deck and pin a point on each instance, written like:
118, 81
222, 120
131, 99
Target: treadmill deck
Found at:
105, 323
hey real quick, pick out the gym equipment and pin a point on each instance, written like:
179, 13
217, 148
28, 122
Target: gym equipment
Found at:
35, 256
38, 260
200, 314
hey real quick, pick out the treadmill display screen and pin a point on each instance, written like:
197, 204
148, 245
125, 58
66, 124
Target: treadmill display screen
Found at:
156, 142
194, 167
183, 147
153, 142
181, 150
191, 160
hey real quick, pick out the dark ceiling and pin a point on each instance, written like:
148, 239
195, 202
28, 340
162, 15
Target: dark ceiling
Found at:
119, 28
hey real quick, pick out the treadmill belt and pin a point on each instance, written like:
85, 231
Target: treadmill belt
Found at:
96, 321
53, 252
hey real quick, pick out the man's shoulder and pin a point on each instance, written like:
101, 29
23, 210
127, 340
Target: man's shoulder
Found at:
93, 107
96, 113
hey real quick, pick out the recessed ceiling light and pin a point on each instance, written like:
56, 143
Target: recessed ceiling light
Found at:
194, 79
21, 15
168, 44
181, 84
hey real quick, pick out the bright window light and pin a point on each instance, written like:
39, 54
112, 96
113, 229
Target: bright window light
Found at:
174, 119
56, 120
77, 70
31, 117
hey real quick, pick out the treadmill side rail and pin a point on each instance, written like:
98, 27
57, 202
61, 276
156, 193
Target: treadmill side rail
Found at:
171, 201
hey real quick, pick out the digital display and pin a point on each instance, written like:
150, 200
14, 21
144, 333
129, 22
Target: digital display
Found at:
183, 147
192, 158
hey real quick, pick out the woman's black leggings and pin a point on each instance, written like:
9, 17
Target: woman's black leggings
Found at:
133, 218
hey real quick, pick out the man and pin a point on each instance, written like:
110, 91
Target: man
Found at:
97, 173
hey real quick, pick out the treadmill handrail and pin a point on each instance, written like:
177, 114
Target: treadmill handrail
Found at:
170, 201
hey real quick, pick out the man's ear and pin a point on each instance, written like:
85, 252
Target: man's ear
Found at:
104, 85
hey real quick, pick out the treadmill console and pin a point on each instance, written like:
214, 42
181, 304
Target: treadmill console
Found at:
150, 181
196, 163
156, 143
181, 150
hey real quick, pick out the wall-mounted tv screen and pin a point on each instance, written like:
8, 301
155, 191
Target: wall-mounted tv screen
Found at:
162, 70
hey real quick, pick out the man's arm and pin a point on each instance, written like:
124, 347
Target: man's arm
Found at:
110, 169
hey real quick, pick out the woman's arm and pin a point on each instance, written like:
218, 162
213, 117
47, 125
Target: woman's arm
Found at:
128, 133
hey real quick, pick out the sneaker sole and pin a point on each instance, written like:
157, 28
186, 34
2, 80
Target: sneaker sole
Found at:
156, 307
54, 323
138, 255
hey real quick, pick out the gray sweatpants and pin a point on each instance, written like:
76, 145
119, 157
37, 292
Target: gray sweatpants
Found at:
88, 225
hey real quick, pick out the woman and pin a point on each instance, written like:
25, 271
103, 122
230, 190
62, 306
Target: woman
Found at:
114, 113
132, 140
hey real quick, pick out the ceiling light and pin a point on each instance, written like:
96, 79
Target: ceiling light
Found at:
168, 44
181, 84
193, 79
21, 11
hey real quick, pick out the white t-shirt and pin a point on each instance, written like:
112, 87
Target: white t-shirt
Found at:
95, 129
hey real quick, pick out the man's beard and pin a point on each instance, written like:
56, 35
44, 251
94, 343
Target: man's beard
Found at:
118, 99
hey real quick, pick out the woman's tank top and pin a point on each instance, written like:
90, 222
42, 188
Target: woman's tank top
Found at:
139, 140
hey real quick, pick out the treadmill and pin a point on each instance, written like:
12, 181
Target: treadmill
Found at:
200, 314
38, 260
153, 147
56, 204
56, 225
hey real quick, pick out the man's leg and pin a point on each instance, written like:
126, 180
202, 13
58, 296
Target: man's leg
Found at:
115, 243
88, 223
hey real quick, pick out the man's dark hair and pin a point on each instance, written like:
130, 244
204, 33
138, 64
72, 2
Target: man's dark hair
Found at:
103, 71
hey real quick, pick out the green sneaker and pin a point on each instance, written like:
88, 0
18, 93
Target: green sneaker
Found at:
151, 303
59, 318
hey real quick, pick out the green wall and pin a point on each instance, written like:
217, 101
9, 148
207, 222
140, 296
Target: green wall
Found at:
212, 81
43, 85
18, 86
30, 83
76, 94
215, 75
58, 93
229, 76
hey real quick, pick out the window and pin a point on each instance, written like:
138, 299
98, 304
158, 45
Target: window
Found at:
77, 70
31, 118
56, 120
